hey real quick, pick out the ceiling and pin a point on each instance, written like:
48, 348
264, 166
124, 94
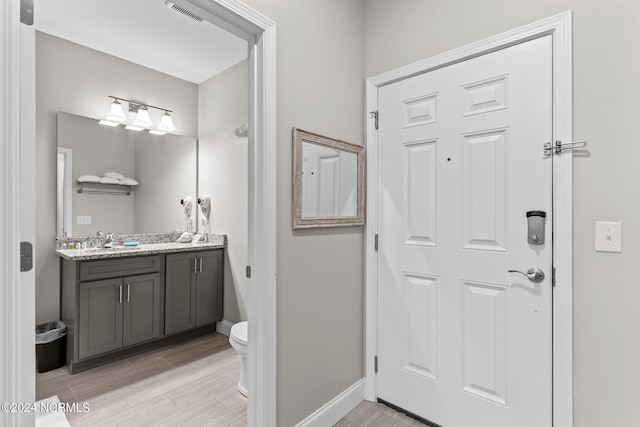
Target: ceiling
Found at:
145, 32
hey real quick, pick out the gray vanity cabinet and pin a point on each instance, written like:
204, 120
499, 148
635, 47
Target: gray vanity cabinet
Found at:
110, 305
193, 290
117, 313
115, 307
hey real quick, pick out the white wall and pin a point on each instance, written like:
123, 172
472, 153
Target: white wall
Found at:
320, 88
606, 113
223, 169
77, 80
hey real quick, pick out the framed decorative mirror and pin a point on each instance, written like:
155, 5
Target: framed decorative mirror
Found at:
328, 182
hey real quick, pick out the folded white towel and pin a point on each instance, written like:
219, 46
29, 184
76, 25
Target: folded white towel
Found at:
107, 180
128, 181
88, 178
185, 237
115, 175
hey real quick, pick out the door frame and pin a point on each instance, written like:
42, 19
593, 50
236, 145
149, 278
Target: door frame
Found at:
17, 127
560, 28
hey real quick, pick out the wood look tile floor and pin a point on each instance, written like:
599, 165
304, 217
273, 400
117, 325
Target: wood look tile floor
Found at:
192, 383
370, 414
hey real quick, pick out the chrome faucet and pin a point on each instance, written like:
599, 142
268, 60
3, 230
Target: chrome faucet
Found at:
107, 241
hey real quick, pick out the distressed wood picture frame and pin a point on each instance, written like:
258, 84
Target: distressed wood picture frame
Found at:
300, 222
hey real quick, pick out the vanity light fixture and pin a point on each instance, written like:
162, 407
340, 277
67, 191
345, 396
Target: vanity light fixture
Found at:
143, 121
116, 114
166, 123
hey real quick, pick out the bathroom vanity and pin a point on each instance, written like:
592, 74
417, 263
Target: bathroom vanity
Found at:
118, 302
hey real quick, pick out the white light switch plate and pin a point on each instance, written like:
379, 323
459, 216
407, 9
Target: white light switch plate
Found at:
608, 236
84, 220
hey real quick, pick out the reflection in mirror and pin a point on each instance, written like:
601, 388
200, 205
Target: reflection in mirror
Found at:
327, 182
65, 183
164, 167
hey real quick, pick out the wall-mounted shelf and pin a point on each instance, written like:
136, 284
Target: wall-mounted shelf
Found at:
112, 189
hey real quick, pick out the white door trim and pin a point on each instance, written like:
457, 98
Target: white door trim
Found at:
17, 304
260, 32
559, 26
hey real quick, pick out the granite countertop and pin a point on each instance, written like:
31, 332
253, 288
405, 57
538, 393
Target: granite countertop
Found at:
216, 241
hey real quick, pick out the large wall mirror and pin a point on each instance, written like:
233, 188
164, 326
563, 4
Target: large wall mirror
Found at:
328, 182
164, 166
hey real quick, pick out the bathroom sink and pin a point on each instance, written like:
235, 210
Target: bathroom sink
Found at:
114, 249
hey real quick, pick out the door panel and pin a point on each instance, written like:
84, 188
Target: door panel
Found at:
209, 289
180, 286
100, 323
461, 341
420, 304
329, 184
141, 309
484, 190
420, 193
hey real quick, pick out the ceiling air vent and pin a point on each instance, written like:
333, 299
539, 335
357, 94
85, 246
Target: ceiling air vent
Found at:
183, 11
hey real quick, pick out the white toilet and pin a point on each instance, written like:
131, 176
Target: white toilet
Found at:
238, 340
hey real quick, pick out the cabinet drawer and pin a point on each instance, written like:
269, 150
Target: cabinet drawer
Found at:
119, 267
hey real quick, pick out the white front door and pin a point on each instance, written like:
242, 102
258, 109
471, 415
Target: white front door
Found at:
461, 340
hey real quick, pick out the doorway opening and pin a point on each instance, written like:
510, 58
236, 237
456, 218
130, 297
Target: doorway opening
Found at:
259, 33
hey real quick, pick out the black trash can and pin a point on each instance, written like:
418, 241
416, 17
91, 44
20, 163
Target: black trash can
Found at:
51, 340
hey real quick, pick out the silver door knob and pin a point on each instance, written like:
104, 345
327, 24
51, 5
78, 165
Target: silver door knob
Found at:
534, 274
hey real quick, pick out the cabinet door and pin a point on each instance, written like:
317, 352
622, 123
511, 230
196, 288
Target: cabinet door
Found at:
209, 287
141, 321
100, 323
180, 301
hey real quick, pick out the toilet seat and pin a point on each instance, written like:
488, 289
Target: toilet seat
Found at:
239, 334
238, 340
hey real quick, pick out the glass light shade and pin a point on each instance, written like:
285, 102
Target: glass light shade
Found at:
108, 123
116, 114
143, 120
166, 123
132, 127
156, 132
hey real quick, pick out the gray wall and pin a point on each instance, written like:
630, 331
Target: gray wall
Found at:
74, 79
166, 169
223, 170
320, 78
606, 111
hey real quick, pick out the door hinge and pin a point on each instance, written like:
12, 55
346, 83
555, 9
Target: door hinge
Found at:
26, 256
374, 115
375, 242
26, 12
248, 272
558, 147
553, 277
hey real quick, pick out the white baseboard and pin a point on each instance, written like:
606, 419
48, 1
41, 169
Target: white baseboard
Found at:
337, 408
224, 327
